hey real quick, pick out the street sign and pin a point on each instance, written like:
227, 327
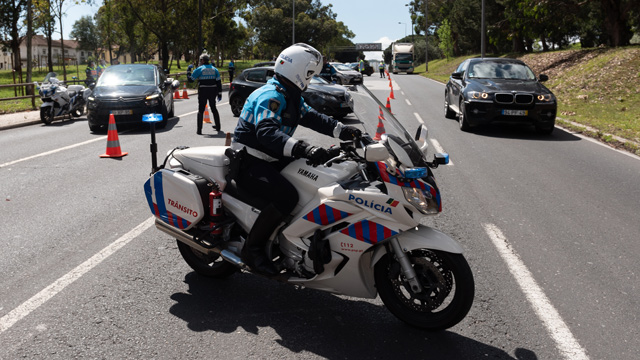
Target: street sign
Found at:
369, 47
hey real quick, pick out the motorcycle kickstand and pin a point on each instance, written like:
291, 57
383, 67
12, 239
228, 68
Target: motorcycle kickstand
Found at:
407, 270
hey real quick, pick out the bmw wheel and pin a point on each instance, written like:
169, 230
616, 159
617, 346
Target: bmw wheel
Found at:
448, 113
462, 118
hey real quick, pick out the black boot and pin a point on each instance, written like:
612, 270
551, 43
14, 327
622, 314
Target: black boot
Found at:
200, 118
253, 252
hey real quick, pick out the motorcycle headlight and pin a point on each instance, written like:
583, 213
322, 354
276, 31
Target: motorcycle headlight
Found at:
421, 200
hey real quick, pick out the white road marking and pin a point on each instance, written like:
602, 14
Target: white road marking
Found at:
53, 151
556, 327
77, 145
419, 118
50, 291
408, 102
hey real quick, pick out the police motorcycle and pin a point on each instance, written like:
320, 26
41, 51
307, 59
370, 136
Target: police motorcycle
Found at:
356, 230
58, 99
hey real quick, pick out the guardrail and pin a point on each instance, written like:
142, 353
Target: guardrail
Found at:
25, 90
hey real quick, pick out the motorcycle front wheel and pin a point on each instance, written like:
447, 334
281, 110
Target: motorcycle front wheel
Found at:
448, 289
46, 115
212, 266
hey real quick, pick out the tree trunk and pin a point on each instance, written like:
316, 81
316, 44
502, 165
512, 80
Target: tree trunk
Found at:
29, 50
64, 68
615, 23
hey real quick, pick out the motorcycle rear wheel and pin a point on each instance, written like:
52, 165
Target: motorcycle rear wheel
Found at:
212, 266
448, 289
78, 111
46, 115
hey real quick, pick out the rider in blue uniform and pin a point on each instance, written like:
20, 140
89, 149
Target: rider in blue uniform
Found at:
265, 129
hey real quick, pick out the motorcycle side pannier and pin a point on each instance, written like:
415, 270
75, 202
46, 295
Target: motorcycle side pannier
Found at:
178, 198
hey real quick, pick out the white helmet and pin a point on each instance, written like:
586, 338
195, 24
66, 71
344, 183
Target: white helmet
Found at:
298, 63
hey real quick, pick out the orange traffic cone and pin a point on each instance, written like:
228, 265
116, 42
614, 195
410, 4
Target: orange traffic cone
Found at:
206, 117
184, 91
388, 105
380, 129
176, 95
390, 85
391, 96
113, 144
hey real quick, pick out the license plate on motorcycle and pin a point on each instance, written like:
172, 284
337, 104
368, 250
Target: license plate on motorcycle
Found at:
514, 112
122, 112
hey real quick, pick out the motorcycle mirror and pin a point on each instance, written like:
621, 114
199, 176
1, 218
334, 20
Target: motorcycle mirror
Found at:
376, 152
421, 138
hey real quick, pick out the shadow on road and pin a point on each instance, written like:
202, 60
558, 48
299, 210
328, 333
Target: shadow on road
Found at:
321, 323
521, 132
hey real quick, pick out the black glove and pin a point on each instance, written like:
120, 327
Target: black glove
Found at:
316, 155
349, 133
219, 97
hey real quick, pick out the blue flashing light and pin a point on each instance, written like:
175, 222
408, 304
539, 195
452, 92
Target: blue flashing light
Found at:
152, 118
443, 158
415, 173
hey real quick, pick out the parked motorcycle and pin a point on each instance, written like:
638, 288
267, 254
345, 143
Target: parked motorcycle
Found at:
356, 230
58, 99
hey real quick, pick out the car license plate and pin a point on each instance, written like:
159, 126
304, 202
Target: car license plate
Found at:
514, 112
122, 112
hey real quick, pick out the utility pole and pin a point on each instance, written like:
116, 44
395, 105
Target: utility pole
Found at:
426, 35
482, 45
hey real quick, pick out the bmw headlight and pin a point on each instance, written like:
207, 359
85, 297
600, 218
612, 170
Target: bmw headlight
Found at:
545, 97
479, 95
421, 200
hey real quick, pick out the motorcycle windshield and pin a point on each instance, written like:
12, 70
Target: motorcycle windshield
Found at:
376, 119
50, 76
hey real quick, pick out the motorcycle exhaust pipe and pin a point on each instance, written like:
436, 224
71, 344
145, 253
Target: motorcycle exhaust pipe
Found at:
187, 239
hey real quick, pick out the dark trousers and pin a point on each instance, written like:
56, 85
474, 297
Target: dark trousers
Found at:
382, 73
207, 94
263, 179
230, 75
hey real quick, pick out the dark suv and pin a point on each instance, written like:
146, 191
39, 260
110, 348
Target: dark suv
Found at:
321, 95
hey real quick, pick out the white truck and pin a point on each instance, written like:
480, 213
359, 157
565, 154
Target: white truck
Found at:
402, 57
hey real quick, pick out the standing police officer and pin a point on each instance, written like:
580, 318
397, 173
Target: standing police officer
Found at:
265, 130
381, 68
232, 69
209, 87
91, 72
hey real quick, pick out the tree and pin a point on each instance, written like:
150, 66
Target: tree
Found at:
86, 32
446, 40
43, 20
315, 24
10, 28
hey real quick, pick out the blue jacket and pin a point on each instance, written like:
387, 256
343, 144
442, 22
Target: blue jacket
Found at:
270, 116
207, 76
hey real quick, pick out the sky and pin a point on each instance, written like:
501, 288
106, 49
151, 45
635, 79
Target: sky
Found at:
371, 21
